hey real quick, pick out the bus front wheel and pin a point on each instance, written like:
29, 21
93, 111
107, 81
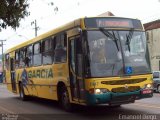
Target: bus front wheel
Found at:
64, 99
21, 92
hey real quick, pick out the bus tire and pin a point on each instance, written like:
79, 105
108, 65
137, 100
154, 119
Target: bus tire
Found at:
22, 95
64, 99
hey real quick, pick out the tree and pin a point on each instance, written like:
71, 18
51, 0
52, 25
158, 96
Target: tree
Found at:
11, 12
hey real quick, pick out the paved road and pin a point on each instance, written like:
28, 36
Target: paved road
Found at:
12, 107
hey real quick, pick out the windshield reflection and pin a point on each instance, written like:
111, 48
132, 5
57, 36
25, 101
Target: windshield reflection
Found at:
107, 48
135, 51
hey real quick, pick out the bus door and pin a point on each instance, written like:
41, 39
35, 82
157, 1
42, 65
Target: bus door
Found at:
76, 69
13, 79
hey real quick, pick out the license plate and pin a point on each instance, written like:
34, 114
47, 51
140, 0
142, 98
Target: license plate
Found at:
146, 91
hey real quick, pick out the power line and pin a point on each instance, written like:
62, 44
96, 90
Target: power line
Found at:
1, 45
55, 9
36, 27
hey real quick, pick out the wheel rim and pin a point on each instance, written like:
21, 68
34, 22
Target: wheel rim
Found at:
65, 100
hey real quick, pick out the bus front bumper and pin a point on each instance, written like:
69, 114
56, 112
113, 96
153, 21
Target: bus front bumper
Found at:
112, 98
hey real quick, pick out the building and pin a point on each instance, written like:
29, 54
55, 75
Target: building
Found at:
1, 73
153, 39
108, 13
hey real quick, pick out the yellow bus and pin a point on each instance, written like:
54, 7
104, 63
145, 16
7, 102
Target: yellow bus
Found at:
89, 61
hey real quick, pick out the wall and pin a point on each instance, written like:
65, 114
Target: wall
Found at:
153, 38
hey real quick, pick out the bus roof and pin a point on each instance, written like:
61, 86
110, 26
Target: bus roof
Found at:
47, 34
75, 23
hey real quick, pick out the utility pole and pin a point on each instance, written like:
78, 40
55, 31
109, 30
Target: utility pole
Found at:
35, 27
1, 45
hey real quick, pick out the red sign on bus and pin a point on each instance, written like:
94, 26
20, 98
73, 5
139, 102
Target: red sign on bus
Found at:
104, 23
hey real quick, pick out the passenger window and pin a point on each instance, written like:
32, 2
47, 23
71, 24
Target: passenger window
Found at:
60, 48
17, 58
28, 56
7, 61
37, 54
79, 57
21, 58
47, 51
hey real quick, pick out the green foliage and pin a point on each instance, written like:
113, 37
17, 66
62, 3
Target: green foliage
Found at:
11, 12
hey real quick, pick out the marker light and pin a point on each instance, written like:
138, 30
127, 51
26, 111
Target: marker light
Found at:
148, 86
98, 90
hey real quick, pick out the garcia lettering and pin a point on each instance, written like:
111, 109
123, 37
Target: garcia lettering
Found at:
43, 73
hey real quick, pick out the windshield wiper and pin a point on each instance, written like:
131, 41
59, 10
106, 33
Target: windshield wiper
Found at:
112, 36
129, 37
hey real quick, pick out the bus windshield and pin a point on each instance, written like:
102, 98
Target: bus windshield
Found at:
116, 53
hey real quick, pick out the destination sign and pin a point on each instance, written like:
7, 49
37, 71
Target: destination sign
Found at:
112, 23
104, 23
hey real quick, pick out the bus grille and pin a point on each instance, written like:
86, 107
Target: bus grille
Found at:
123, 82
123, 89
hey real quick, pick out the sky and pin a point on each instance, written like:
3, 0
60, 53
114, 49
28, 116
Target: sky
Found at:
48, 18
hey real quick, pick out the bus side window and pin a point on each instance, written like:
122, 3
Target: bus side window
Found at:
37, 54
28, 58
22, 57
79, 57
47, 51
60, 48
7, 61
17, 58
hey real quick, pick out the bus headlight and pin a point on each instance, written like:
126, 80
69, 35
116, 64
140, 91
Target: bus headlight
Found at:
98, 90
148, 86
